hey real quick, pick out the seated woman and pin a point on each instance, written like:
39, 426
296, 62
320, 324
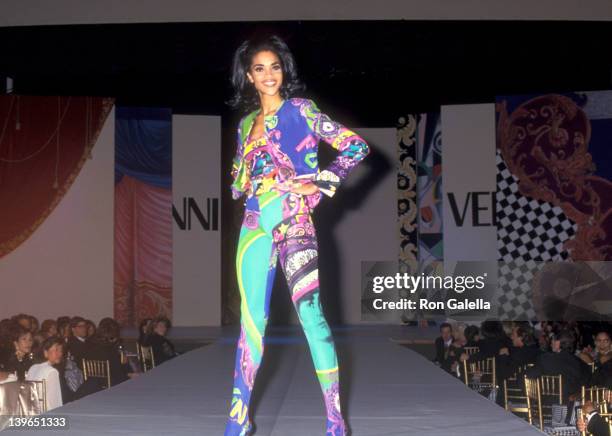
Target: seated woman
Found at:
162, 348
20, 359
53, 351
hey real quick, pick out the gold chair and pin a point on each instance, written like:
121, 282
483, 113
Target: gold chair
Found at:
534, 401
471, 350
97, 369
480, 375
515, 399
596, 394
41, 394
22, 398
551, 392
145, 356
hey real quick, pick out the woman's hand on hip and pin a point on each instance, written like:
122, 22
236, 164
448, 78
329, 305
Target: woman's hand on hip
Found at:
305, 188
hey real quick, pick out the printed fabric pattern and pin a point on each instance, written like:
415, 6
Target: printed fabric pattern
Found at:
292, 136
278, 226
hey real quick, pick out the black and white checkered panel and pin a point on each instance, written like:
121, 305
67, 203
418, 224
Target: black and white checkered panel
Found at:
515, 296
526, 228
528, 232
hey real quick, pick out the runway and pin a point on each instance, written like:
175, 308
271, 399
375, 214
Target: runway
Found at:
387, 390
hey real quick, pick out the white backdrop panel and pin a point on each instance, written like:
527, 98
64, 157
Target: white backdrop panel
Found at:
370, 232
196, 180
468, 171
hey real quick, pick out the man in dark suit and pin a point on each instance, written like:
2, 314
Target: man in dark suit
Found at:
523, 351
77, 344
592, 421
563, 361
444, 347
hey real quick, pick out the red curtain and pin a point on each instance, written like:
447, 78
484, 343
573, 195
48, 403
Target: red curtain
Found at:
44, 143
143, 251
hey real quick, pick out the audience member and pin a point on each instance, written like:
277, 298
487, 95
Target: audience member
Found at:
523, 351
162, 348
143, 329
492, 340
78, 346
472, 336
592, 421
21, 357
34, 325
48, 328
91, 328
53, 351
63, 328
24, 321
106, 345
562, 360
601, 353
445, 352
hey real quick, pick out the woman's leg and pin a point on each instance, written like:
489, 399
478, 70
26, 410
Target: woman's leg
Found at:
255, 266
299, 258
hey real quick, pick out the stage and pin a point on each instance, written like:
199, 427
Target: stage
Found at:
387, 390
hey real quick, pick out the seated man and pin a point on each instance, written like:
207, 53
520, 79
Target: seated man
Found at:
445, 352
523, 351
78, 345
592, 421
575, 373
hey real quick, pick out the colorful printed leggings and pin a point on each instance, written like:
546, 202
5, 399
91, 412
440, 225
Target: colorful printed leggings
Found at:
281, 229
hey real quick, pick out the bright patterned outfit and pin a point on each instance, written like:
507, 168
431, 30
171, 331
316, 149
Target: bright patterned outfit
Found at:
277, 225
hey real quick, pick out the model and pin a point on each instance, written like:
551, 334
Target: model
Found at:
276, 169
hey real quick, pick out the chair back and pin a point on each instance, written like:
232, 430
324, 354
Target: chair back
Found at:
145, 356
534, 401
552, 386
22, 398
97, 369
515, 400
471, 350
480, 375
596, 394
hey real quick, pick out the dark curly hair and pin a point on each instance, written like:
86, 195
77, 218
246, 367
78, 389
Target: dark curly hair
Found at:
245, 96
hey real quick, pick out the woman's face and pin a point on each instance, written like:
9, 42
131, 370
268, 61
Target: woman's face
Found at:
161, 329
266, 73
23, 345
54, 354
52, 330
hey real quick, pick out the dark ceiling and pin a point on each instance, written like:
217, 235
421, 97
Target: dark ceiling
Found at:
366, 73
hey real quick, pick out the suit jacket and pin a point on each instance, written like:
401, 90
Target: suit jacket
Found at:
603, 375
507, 365
292, 135
598, 426
109, 351
79, 350
444, 355
488, 347
574, 371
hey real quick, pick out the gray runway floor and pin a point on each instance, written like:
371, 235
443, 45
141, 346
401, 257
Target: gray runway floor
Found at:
387, 390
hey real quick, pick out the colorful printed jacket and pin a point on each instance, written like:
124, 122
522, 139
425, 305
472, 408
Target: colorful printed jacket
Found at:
293, 133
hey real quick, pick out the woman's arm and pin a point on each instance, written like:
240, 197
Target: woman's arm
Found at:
351, 147
54, 390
